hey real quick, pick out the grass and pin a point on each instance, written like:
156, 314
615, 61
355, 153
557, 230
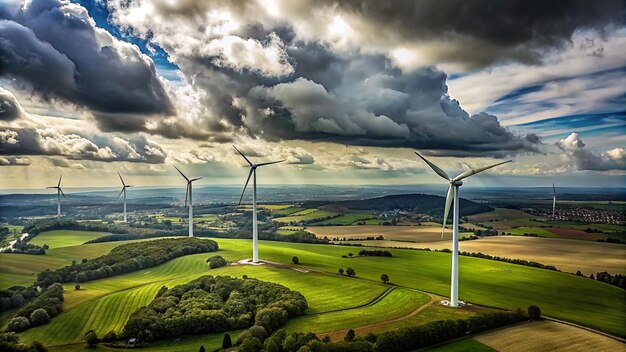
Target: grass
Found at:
65, 238
106, 303
401, 233
397, 303
465, 345
500, 214
346, 219
520, 231
287, 211
305, 215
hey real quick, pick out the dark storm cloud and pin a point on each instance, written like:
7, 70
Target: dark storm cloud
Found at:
10, 109
491, 30
26, 141
54, 46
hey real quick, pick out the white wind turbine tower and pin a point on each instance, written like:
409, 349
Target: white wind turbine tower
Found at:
188, 196
124, 186
553, 200
59, 194
255, 234
453, 192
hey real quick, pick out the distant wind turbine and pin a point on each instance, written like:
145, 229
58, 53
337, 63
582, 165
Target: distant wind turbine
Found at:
255, 234
188, 196
553, 200
124, 186
59, 194
453, 192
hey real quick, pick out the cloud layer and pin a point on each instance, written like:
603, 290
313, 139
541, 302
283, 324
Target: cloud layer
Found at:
54, 48
584, 159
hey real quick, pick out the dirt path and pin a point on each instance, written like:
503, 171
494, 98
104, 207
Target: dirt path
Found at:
362, 330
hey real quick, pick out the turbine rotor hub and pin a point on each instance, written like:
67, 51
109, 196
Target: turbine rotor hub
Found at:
457, 183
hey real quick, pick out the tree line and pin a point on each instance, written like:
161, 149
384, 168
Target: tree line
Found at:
44, 305
126, 258
212, 304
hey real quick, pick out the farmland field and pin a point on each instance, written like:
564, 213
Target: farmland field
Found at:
566, 255
65, 238
465, 345
346, 219
547, 336
403, 233
105, 304
305, 215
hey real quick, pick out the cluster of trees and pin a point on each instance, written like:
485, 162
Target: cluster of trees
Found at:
367, 238
10, 342
216, 261
16, 296
509, 260
349, 271
212, 304
375, 253
39, 310
416, 337
618, 280
21, 246
126, 258
611, 240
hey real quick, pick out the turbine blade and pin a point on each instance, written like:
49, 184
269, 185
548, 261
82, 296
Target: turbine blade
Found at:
59, 184
119, 195
475, 171
246, 185
52, 187
195, 179
186, 194
435, 168
446, 209
60, 190
181, 173
128, 186
240, 153
121, 179
271, 162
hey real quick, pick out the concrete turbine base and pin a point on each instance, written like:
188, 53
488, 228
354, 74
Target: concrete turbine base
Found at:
446, 303
250, 262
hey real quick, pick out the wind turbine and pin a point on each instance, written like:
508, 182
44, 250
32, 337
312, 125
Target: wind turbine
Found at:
255, 234
124, 186
553, 200
453, 192
59, 194
188, 196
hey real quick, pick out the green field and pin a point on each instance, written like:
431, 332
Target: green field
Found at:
65, 238
346, 219
287, 211
305, 215
105, 304
541, 232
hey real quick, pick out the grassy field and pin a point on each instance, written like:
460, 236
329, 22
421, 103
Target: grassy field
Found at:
65, 238
346, 219
305, 215
541, 232
547, 336
566, 255
289, 230
402, 233
500, 214
287, 211
105, 304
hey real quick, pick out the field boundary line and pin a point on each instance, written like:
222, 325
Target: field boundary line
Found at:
368, 304
617, 338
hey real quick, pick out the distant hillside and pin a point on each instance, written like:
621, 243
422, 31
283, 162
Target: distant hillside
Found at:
418, 203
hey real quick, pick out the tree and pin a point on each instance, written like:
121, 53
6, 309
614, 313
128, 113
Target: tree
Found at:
341, 271
216, 261
201, 349
251, 344
350, 254
18, 324
109, 336
39, 317
350, 272
77, 287
592, 277
384, 278
91, 338
534, 312
227, 342
350, 335
295, 260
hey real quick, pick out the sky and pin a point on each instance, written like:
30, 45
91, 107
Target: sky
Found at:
344, 92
